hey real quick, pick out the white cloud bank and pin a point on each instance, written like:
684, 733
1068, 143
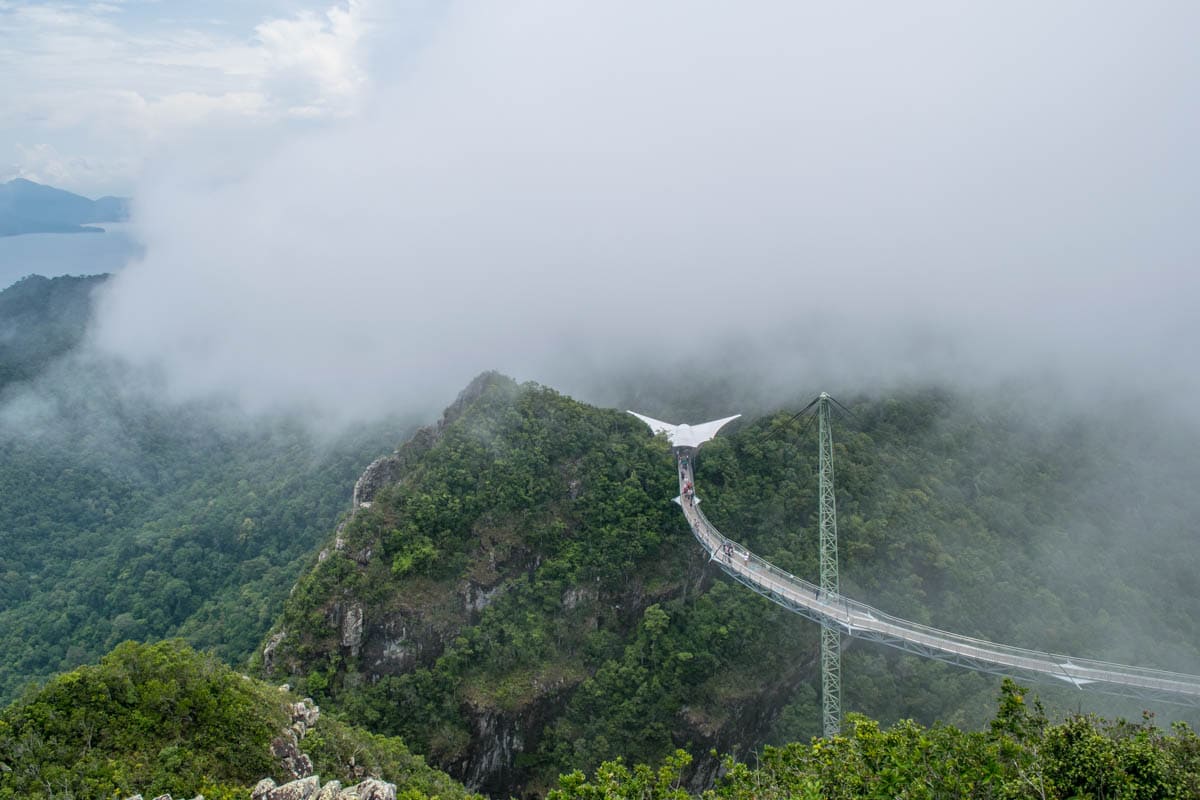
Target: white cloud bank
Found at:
110, 84
864, 192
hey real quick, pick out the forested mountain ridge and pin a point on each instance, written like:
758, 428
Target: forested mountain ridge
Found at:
516, 589
524, 600
122, 516
517, 597
41, 319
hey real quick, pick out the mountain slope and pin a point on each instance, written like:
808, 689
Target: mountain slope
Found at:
523, 578
162, 718
520, 598
122, 516
41, 319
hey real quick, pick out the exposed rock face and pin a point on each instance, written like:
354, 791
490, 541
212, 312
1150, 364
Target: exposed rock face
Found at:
505, 743
304, 716
302, 789
268, 652
492, 766
352, 629
372, 789
310, 788
286, 746
330, 791
286, 749
381, 472
477, 598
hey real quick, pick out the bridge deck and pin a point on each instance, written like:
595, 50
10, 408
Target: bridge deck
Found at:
863, 621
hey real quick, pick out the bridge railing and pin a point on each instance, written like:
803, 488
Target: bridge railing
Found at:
842, 611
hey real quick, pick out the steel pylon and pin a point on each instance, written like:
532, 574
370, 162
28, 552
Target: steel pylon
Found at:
831, 644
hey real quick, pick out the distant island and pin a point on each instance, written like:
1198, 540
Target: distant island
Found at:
28, 207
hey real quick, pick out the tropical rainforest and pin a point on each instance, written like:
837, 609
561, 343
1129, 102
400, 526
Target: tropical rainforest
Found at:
124, 519
517, 600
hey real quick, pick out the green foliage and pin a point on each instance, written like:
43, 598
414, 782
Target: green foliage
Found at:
349, 754
413, 554
167, 527
121, 517
163, 718
152, 718
615, 781
1022, 757
543, 581
545, 507
41, 319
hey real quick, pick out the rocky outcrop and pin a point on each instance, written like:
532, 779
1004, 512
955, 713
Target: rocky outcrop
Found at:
306, 785
310, 788
286, 747
302, 789
352, 629
381, 472
304, 716
268, 653
330, 791
370, 789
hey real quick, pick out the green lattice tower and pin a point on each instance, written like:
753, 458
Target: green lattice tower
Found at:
831, 644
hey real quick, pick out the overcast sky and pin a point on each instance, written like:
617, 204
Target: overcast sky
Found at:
93, 90
350, 209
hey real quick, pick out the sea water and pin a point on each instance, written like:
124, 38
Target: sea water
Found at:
52, 254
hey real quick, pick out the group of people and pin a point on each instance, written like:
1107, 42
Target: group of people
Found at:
688, 491
728, 550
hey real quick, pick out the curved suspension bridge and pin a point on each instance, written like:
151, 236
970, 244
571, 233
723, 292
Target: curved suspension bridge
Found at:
860, 620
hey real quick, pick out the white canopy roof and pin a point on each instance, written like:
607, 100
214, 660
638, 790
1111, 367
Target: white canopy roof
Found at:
686, 435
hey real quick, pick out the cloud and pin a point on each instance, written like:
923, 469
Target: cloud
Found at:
322, 53
114, 82
563, 189
45, 164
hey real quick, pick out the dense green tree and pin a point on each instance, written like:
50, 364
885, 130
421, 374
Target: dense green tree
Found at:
1023, 756
125, 517
163, 718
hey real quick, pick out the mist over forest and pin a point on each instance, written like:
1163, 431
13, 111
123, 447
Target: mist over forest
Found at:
974, 228
816, 195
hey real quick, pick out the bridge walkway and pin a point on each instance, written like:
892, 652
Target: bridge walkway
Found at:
862, 621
